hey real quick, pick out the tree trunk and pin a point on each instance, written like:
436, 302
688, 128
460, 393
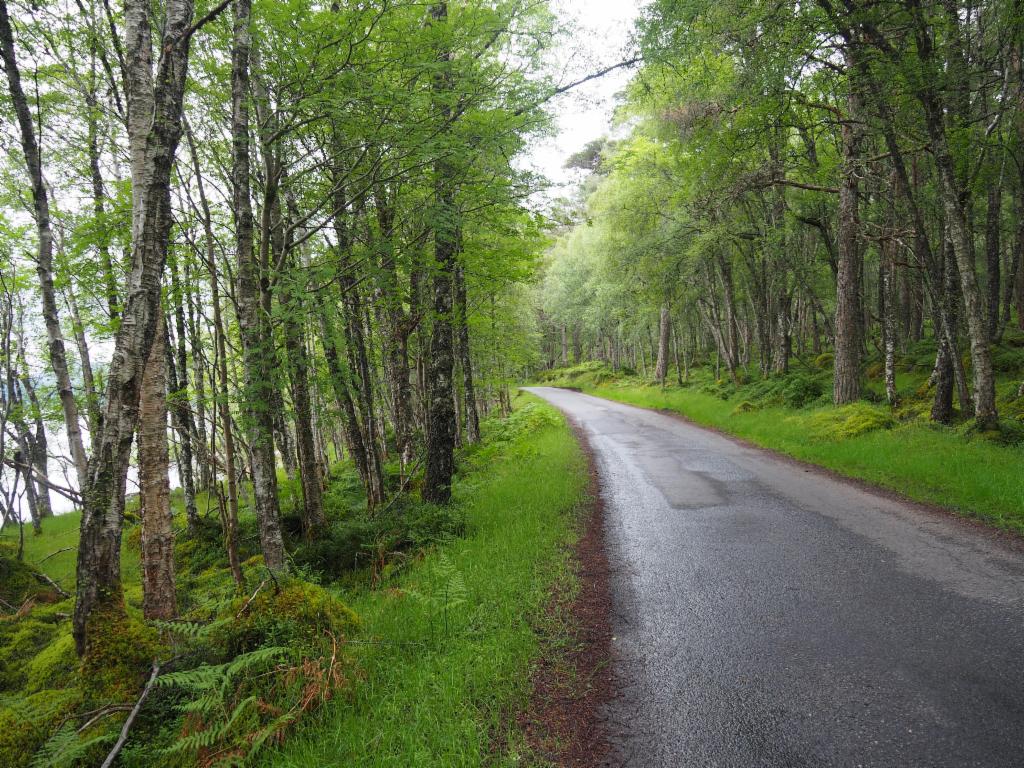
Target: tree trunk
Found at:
257, 341
992, 255
44, 254
229, 513
954, 207
154, 128
177, 378
92, 401
396, 332
291, 298
846, 377
664, 330
888, 296
465, 358
157, 552
440, 447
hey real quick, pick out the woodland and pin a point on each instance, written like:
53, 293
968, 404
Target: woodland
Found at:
270, 273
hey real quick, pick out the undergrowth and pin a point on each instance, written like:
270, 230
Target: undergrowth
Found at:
367, 629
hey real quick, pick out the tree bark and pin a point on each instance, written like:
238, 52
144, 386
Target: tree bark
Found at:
846, 375
154, 128
220, 385
952, 197
157, 554
992, 256
664, 331
396, 333
177, 379
257, 341
440, 448
465, 357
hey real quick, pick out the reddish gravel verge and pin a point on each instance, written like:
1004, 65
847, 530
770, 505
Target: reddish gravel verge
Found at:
574, 679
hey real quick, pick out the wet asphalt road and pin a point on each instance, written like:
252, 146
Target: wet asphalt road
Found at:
766, 615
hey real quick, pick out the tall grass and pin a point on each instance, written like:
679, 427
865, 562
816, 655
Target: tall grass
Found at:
447, 649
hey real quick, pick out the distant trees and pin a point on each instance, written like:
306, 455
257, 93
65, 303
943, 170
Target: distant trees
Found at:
830, 175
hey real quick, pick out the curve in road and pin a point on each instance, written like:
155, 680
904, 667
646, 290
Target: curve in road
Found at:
768, 615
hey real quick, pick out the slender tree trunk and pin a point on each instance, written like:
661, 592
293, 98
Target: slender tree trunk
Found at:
290, 296
888, 296
664, 331
230, 510
38, 448
207, 470
846, 379
396, 334
958, 228
440, 447
177, 377
44, 254
92, 401
992, 256
154, 128
257, 341
157, 553
465, 358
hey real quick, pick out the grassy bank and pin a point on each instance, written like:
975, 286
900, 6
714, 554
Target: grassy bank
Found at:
448, 646
402, 637
975, 475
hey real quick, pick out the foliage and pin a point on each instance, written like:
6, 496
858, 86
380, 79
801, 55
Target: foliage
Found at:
437, 698
849, 421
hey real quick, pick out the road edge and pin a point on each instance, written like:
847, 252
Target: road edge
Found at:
1001, 536
574, 677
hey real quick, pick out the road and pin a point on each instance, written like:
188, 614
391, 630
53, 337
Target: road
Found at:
765, 614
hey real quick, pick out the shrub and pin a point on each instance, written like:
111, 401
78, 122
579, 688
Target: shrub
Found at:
298, 615
800, 390
744, 407
849, 421
282, 655
824, 361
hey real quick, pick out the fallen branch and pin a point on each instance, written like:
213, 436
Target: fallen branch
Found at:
251, 598
53, 554
97, 715
47, 580
131, 717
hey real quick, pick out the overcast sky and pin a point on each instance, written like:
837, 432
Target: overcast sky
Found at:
599, 38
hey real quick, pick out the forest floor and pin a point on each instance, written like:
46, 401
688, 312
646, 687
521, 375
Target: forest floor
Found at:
456, 619
974, 475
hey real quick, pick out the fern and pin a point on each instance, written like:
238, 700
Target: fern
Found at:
66, 747
225, 719
448, 591
191, 630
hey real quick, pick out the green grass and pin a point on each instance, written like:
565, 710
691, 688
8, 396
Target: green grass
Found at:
447, 647
55, 551
973, 476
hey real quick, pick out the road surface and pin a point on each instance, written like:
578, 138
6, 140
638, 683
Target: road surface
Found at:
767, 615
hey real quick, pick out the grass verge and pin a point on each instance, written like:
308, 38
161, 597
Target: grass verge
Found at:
448, 645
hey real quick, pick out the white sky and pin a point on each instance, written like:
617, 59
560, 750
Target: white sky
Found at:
599, 38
